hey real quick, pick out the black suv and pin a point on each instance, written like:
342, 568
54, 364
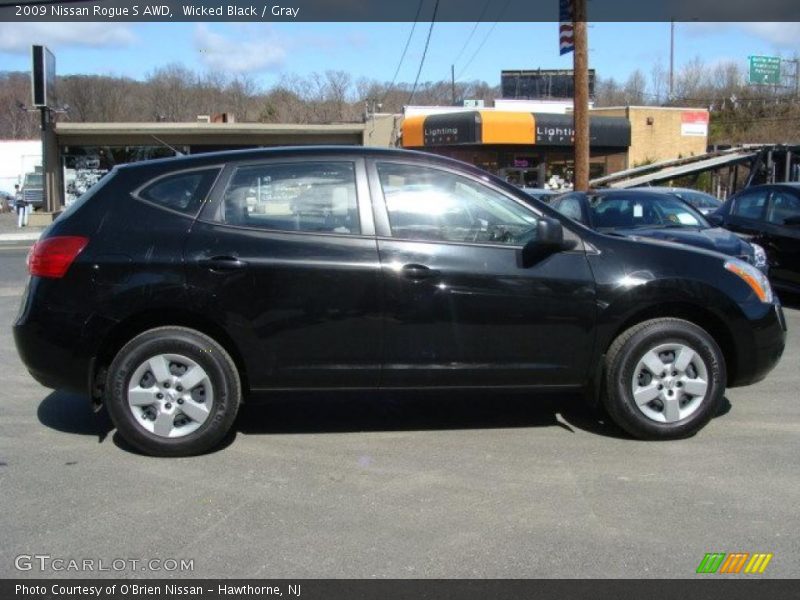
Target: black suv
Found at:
769, 215
177, 288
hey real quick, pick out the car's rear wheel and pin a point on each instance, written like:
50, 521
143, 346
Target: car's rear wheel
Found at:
665, 379
173, 391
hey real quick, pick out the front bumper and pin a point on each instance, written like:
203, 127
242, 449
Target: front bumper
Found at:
761, 348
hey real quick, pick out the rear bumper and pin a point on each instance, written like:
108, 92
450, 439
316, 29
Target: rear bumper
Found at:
52, 345
761, 348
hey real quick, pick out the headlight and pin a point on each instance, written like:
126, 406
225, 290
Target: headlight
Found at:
759, 256
757, 281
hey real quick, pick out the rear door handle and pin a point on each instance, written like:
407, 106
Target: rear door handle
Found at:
414, 271
222, 263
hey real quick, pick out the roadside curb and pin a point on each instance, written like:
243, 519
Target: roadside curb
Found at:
20, 237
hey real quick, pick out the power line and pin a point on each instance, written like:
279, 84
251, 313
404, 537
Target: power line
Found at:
486, 37
424, 53
403, 56
471, 33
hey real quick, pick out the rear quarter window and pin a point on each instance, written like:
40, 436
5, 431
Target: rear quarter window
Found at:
182, 192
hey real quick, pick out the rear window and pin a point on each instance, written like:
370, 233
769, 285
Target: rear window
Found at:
182, 192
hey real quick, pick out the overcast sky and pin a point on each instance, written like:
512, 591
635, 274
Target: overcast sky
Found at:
372, 50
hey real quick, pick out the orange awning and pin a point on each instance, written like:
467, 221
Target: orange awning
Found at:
507, 127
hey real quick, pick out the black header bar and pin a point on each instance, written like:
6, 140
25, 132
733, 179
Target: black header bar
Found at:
383, 10
703, 587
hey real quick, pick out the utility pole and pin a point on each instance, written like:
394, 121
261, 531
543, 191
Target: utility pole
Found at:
581, 100
671, 59
453, 83
48, 191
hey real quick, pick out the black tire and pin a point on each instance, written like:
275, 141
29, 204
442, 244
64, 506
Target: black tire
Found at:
624, 355
205, 352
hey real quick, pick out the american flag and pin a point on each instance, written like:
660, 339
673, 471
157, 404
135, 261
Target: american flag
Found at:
566, 41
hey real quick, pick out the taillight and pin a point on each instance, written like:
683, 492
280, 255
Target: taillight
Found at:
53, 256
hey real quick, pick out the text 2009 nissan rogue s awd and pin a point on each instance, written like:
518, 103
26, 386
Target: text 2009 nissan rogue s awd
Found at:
176, 288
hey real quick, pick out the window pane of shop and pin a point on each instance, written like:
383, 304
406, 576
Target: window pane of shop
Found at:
307, 196
434, 205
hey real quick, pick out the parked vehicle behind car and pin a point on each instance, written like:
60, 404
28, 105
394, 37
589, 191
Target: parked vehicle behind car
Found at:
542, 194
658, 215
770, 216
175, 289
33, 188
700, 201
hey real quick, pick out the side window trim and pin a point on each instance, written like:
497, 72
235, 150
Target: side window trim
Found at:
213, 211
136, 194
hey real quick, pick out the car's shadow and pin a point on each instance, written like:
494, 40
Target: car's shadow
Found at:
73, 413
369, 411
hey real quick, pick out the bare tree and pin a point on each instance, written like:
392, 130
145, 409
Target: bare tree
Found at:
691, 83
15, 123
172, 93
608, 92
96, 98
658, 83
635, 88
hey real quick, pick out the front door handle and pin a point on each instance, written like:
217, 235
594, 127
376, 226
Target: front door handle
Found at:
414, 271
222, 263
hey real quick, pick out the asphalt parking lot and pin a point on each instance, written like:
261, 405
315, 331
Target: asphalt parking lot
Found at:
479, 485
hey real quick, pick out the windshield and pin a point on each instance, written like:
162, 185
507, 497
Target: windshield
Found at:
632, 212
33, 180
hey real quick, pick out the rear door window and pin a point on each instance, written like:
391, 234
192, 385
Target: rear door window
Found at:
182, 192
782, 206
306, 196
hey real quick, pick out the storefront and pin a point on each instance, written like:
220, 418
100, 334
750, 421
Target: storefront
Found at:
527, 149
86, 151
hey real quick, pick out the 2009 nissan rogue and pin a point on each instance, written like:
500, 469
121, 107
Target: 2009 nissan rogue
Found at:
176, 288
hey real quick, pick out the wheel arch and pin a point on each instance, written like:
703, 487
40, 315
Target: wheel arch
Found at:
688, 311
127, 329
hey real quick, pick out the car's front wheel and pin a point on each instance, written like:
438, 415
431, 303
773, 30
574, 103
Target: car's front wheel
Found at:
173, 391
665, 379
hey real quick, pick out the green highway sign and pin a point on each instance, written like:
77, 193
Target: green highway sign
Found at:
765, 70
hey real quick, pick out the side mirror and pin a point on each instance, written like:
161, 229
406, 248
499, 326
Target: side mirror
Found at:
715, 219
549, 240
793, 221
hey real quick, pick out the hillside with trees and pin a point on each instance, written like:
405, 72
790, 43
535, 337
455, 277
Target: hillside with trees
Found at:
739, 113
